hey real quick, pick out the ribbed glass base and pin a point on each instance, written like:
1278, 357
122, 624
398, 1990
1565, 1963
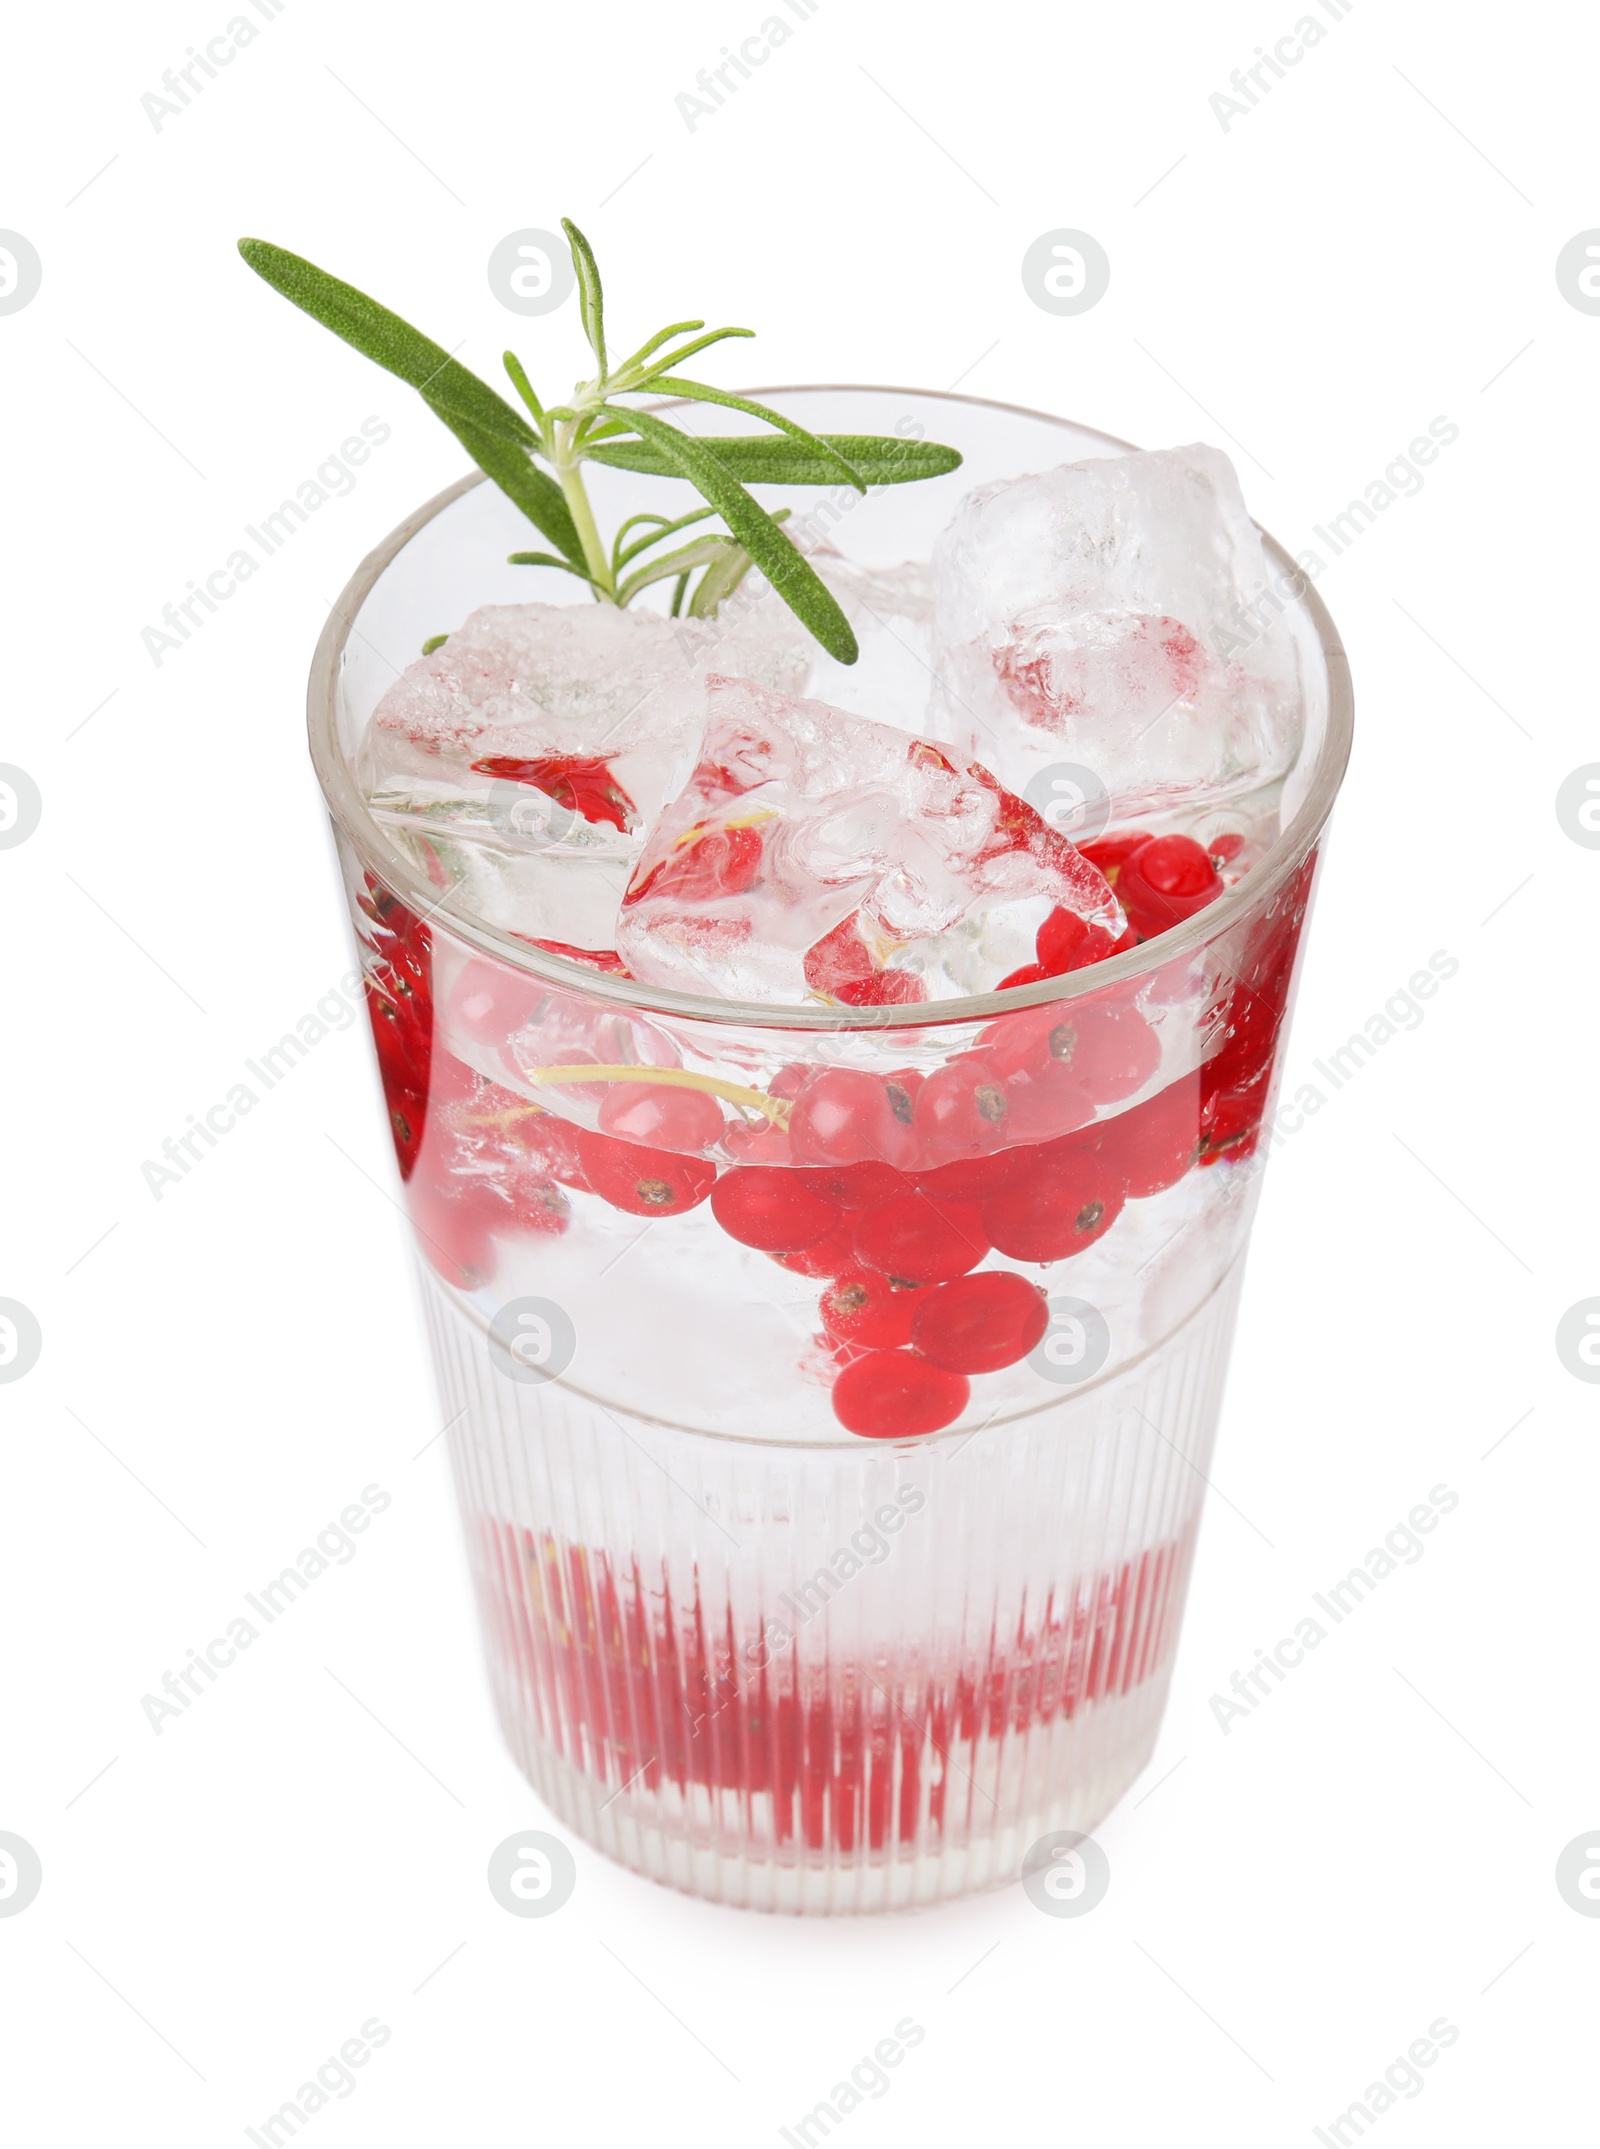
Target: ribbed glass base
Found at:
724, 1846
836, 1678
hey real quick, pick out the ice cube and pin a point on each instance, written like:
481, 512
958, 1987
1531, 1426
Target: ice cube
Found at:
815, 855
1116, 616
527, 755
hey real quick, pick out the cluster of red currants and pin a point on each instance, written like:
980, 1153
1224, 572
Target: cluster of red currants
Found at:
889, 1189
907, 1319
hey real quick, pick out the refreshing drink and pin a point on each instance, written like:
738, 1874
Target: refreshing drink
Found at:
827, 977
831, 1296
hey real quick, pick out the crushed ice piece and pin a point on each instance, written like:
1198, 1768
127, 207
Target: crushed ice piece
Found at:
533, 681
812, 851
524, 758
1118, 614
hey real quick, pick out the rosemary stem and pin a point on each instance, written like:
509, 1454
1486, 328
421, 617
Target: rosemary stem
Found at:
577, 499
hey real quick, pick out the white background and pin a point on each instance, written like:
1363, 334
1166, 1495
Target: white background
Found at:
1292, 1904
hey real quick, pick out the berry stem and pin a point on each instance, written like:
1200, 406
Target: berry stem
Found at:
775, 1109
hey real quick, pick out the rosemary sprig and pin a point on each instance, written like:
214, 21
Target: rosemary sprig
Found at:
595, 426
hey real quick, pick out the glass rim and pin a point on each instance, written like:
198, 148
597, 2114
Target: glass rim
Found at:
349, 809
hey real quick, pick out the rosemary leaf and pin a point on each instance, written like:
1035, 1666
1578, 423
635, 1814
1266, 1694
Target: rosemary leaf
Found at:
698, 392
788, 570
758, 459
591, 300
702, 553
395, 345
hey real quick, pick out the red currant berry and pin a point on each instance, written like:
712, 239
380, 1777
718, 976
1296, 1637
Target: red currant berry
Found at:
402, 1045
973, 1179
845, 968
980, 1323
901, 1140
582, 783
662, 1116
550, 1141
1177, 867
1067, 942
1059, 940
828, 1257
1047, 1102
1071, 1198
1165, 881
491, 1003
1112, 851
644, 1182
539, 1207
1251, 1020
704, 865
408, 1119
845, 1116
870, 1311
961, 1111
405, 970
1029, 974
455, 1231
400, 1008
773, 1210
1111, 1050
1020, 1041
889, 1395
1230, 1120
859, 1186
922, 1241
838, 1118
763, 1144
1155, 1144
